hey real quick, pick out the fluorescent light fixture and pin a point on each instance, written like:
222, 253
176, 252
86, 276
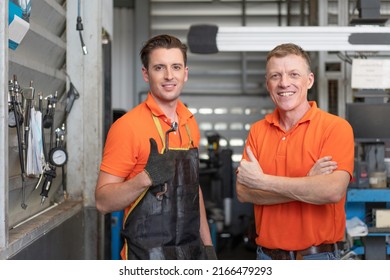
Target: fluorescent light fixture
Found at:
212, 39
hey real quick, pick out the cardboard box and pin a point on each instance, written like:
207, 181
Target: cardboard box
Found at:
382, 218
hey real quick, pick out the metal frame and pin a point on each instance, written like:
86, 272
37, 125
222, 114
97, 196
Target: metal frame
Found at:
4, 125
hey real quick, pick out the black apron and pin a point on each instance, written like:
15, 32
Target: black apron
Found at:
164, 224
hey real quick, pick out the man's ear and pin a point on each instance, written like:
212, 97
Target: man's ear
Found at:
186, 71
311, 80
145, 74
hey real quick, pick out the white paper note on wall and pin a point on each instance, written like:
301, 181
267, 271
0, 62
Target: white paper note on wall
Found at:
370, 73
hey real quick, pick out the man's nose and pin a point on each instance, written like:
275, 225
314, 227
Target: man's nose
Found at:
168, 74
284, 80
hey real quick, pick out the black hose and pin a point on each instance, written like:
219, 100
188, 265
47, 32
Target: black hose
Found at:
20, 149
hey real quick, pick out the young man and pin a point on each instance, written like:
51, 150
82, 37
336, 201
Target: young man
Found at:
298, 214
150, 165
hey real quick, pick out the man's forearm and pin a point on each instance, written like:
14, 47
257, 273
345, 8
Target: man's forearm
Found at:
259, 197
204, 226
320, 189
113, 193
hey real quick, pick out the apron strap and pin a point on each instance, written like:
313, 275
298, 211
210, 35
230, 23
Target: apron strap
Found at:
189, 136
160, 132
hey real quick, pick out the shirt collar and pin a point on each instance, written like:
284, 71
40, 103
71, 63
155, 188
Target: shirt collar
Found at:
273, 118
182, 111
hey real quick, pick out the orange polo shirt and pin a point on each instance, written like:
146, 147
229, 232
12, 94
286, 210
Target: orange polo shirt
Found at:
127, 146
299, 225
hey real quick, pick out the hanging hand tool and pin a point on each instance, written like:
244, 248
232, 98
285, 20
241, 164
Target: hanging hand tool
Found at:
13, 109
48, 118
49, 175
72, 95
15, 92
57, 158
58, 155
47, 122
28, 95
79, 27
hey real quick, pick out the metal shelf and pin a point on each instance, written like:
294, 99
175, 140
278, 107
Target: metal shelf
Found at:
359, 250
368, 195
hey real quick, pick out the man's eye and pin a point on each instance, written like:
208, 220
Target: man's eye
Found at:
176, 67
294, 75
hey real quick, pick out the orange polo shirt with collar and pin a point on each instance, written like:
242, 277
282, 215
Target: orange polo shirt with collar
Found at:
127, 147
299, 225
